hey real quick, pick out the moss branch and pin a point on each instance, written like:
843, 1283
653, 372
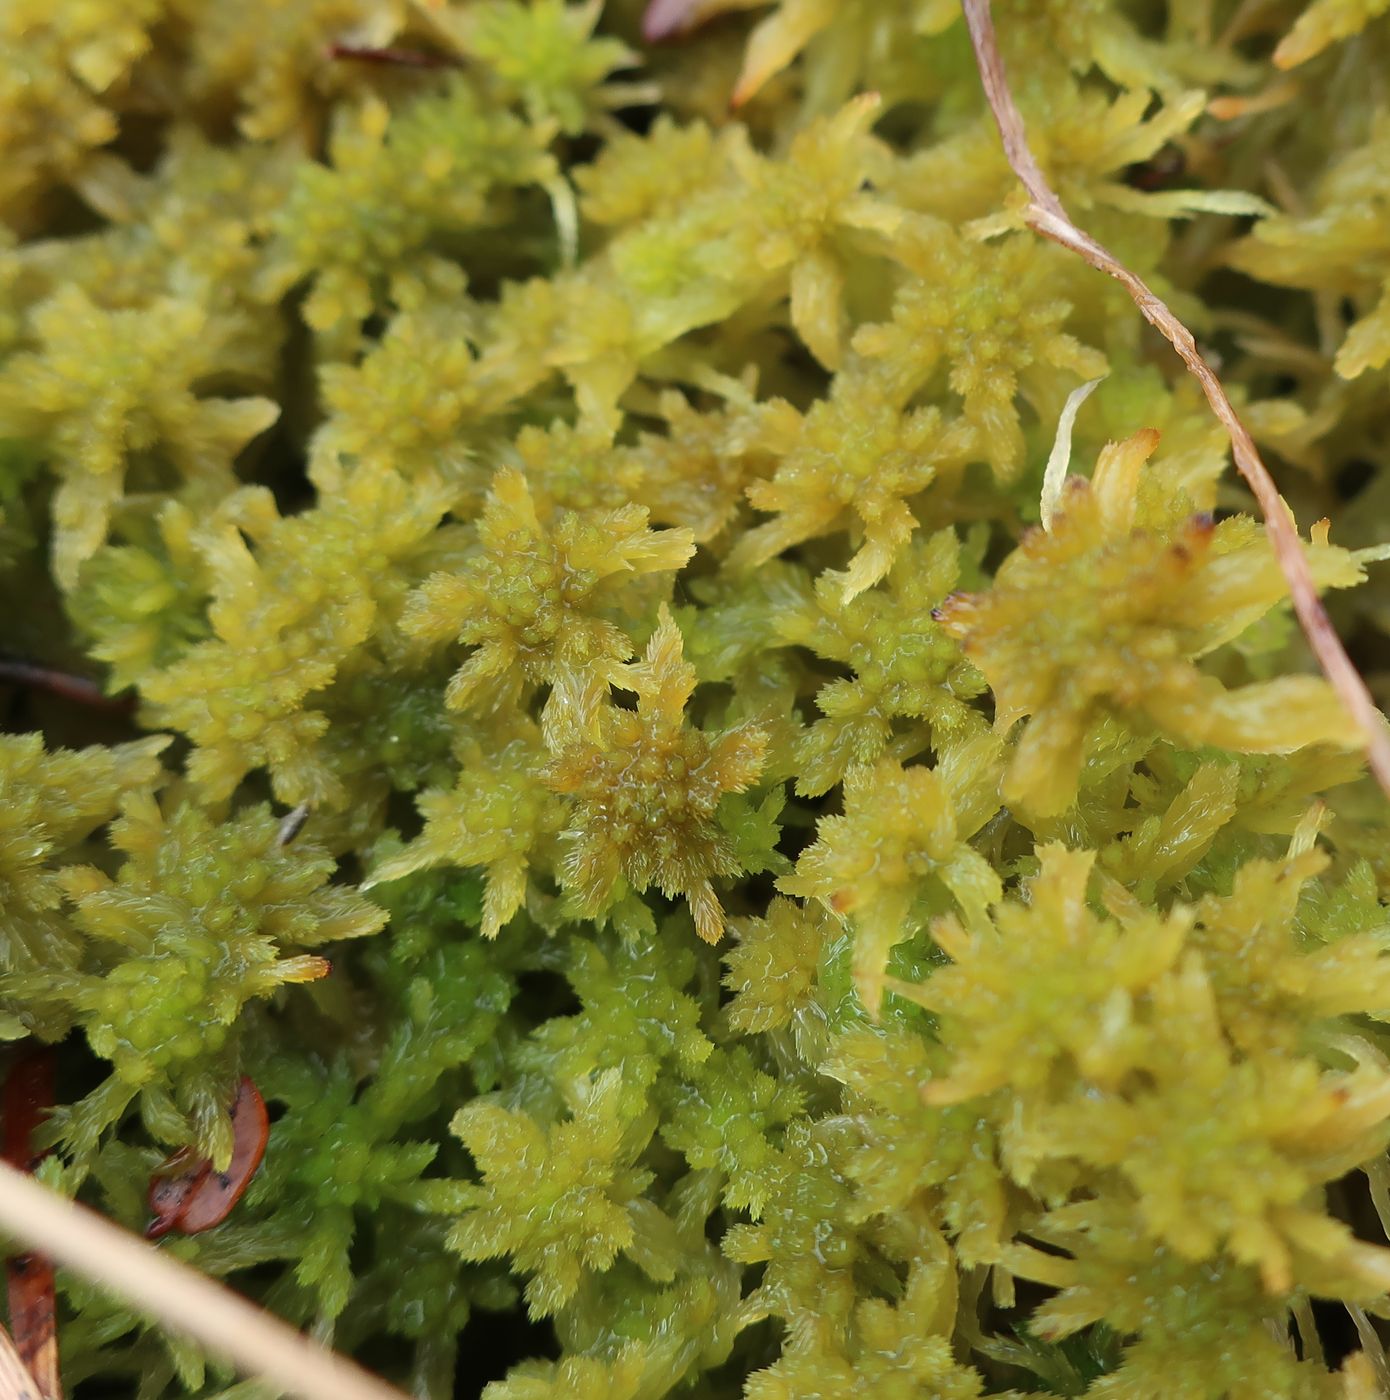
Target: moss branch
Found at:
1046, 215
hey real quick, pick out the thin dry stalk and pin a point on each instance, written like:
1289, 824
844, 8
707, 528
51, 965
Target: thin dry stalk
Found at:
179, 1297
1045, 214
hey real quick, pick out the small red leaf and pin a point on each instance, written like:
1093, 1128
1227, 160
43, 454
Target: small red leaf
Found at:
171, 1184
187, 1195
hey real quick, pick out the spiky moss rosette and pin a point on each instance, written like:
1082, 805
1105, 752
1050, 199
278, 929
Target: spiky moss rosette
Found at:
798, 926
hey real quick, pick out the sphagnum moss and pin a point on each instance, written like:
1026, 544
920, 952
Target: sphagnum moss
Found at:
800, 925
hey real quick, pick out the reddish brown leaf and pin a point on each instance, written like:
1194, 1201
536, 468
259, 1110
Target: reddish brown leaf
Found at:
171, 1184
187, 1195
212, 1197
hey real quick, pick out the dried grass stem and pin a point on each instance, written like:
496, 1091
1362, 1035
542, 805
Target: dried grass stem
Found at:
1046, 215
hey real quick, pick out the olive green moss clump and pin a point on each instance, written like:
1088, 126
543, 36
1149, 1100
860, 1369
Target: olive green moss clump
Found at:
800, 925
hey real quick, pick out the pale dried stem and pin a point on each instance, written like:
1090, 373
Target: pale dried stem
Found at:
1045, 214
154, 1282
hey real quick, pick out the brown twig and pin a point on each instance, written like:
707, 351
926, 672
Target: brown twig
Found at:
16, 670
393, 57
1046, 215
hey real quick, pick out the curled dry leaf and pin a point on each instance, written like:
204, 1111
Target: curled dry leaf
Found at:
187, 1195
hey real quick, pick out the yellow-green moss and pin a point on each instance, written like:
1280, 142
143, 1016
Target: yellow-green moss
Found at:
807, 916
